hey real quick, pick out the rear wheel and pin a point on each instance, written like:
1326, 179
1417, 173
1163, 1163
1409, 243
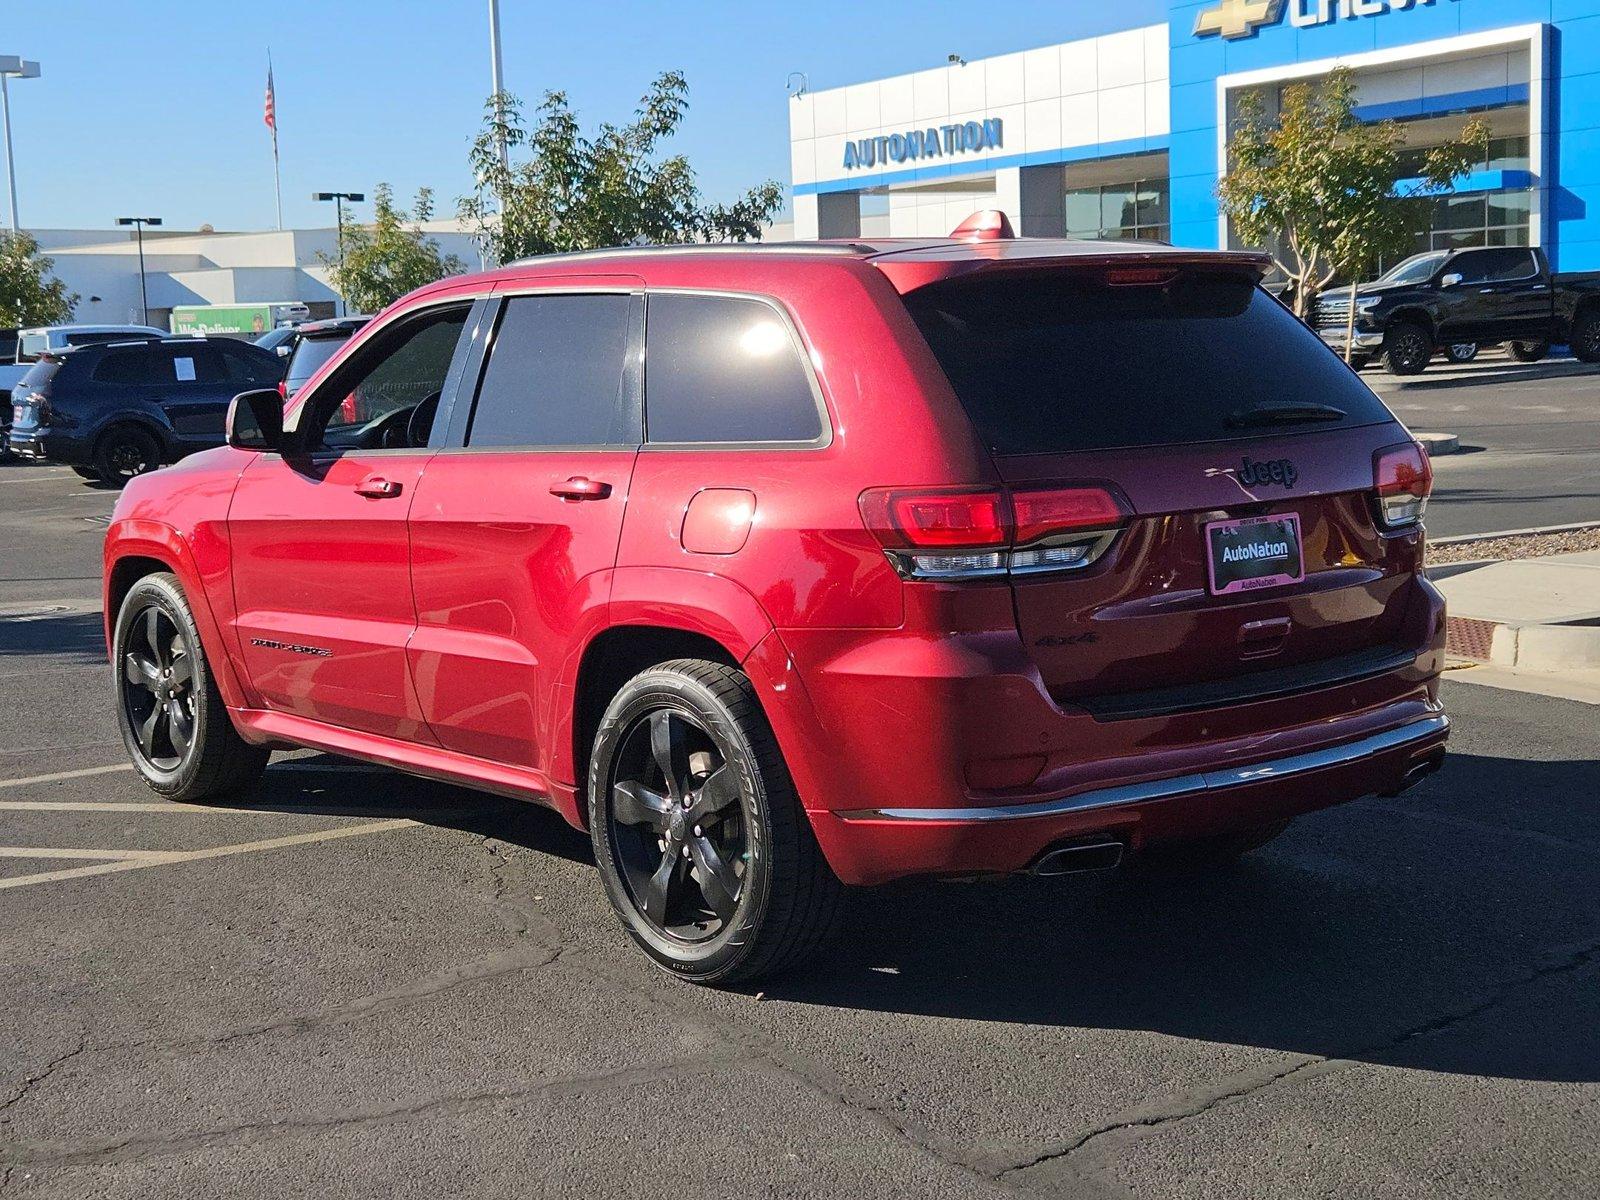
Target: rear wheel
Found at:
1461, 352
1530, 352
697, 831
1586, 336
87, 473
1407, 349
125, 451
1206, 853
172, 717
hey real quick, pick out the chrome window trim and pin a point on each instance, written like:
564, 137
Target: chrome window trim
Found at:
1177, 787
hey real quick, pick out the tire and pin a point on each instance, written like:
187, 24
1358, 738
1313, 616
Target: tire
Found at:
666, 740
1585, 343
1407, 349
1461, 352
1213, 852
89, 473
1530, 352
1360, 362
159, 671
126, 451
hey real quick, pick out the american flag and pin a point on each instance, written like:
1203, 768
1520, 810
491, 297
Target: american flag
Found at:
270, 116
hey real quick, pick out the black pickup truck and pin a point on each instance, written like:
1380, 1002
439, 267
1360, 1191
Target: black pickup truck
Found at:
1451, 299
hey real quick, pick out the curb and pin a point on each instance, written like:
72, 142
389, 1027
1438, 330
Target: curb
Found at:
1437, 444
1458, 538
1531, 647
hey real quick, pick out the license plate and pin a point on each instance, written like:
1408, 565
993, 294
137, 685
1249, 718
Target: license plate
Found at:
1258, 552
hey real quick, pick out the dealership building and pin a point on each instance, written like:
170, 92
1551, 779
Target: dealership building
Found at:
1121, 132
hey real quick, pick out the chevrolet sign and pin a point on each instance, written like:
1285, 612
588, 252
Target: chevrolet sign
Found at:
1241, 18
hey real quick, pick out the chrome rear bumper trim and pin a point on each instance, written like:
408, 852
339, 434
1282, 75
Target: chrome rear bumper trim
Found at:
1182, 785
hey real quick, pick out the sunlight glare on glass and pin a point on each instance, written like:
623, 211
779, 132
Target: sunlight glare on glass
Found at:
763, 339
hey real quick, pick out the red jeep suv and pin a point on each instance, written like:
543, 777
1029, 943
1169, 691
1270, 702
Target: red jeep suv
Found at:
782, 568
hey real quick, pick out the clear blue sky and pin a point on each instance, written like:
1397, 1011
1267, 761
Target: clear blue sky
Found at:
155, 108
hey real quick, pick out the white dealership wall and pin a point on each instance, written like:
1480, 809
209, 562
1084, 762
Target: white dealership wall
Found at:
1093, 98
204, 268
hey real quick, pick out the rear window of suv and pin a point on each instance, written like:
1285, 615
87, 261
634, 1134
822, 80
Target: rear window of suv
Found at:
1057, 361
310, 354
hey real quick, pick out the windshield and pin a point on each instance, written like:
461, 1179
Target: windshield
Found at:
1419, 268
1048, 362
309, 356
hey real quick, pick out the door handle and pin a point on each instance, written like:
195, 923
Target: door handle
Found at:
377, 487
579, 488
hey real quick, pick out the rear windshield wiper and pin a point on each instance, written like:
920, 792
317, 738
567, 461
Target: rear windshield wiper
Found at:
1284, 414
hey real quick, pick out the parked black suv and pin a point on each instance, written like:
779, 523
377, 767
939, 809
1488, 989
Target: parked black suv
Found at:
118, 410
1453, 298
317, 342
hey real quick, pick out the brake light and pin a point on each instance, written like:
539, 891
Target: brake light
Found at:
970, 533
1403, 477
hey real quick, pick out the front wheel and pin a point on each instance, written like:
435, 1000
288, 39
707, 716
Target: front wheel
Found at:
701, 843
1407, 349
89, 473
1461, 352
172, 718
1530, 352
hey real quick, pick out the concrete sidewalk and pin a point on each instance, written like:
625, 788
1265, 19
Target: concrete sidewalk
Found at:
1533, 614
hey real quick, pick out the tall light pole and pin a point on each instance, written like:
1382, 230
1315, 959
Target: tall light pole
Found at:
497, 78
138, 224
338, 199
20, 68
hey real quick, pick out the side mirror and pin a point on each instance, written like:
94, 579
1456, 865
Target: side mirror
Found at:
1451, 280
255, 420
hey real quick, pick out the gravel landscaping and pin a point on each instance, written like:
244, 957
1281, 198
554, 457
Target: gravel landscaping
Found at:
1528, 545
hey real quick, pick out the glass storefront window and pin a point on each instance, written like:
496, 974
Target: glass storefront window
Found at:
1120, 210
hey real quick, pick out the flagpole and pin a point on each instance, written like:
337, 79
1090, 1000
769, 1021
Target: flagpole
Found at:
277, 180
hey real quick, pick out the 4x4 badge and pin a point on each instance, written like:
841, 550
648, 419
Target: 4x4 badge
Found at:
1279, 470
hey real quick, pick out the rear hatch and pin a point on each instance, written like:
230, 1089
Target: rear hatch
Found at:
1250, 561
30, 398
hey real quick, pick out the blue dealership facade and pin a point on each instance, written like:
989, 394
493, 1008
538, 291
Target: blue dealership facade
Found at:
1121, 134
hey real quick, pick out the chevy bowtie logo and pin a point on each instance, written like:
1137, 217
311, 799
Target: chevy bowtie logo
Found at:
1237, 18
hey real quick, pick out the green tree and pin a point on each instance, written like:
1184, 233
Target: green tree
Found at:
572, 192
1319, 185
30, 294
392, 256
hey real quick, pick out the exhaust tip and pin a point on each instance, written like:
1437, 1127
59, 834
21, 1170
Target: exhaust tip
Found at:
1417, 772
1080, 858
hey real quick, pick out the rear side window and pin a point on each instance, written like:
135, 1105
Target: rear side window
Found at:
131, 366
30, 346
725, 369
1053, 362
557, 375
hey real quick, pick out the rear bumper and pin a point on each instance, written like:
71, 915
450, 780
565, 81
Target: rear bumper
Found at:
873, 846
27, 445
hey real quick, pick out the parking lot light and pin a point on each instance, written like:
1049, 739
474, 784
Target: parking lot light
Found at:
138, 224
20, 68
338, 199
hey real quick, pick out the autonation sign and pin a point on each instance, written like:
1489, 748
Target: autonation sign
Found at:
933, 142
1241, 18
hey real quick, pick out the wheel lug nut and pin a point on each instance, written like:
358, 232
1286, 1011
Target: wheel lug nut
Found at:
697, 832
686, 852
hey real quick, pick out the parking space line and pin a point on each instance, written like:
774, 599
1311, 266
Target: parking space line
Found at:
74, 852
170, 857
56, 776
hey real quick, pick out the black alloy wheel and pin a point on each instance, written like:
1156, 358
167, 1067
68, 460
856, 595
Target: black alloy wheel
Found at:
678, 828
1407, 349
1586, 337
125, 452
158, 695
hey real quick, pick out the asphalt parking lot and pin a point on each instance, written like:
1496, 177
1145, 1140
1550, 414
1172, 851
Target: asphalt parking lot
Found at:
354, 983
1530, 440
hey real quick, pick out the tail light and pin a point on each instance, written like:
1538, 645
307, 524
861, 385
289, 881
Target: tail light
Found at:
283, 389
1403, 477
978, 533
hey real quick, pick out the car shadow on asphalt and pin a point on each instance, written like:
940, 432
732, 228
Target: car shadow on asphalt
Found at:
73, 638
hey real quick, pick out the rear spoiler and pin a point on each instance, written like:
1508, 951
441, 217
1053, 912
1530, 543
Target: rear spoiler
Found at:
912, 269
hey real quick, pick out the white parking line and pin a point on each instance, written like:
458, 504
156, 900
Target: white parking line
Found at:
53, 777
73, 852
159, 858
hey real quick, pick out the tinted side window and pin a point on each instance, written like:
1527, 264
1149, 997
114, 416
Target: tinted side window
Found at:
557, 375
721, 369
249, 370
180, 365
403, 369
132, 366
1491, 266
